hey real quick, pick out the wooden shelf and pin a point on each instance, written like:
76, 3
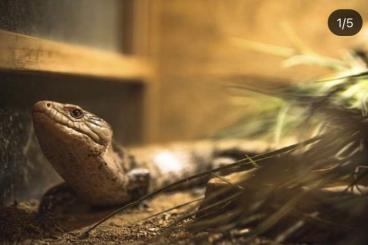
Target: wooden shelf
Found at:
26, 53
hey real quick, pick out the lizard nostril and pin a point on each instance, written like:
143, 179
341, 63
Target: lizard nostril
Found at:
48, 104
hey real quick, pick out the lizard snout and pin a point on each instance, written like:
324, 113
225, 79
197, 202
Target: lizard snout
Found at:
41, 106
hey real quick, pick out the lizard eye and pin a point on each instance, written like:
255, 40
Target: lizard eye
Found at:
76, 113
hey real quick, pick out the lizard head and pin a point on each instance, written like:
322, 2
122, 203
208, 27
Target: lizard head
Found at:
69, 127
78, 145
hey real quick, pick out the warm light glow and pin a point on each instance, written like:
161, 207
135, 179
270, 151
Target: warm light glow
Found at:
168, 162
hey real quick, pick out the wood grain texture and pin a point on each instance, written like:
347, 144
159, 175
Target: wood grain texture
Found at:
25, 53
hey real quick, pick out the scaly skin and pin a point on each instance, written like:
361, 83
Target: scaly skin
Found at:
78, 145
80, 150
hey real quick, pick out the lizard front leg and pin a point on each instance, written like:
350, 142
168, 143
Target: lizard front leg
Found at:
59, 199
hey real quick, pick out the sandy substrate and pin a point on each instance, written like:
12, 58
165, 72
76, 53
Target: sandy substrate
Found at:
19, 225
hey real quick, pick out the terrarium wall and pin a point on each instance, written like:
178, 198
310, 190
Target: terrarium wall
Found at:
24, 172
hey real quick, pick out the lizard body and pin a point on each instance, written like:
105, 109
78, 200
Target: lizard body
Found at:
79, 146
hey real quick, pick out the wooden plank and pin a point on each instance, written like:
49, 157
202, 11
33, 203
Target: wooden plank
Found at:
146, 41
26, 53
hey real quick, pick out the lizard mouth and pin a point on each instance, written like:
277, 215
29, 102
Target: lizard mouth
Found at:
46, 114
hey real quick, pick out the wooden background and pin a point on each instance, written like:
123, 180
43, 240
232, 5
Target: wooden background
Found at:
193, 51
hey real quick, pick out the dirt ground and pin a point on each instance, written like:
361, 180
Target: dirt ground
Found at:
19, 225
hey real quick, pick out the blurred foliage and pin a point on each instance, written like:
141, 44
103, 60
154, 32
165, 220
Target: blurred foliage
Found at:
279, 110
